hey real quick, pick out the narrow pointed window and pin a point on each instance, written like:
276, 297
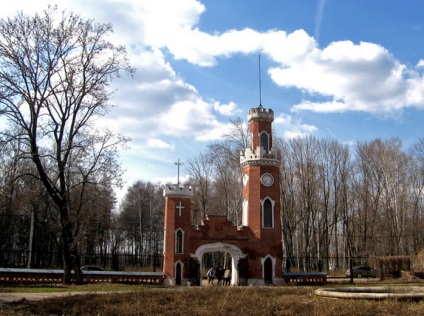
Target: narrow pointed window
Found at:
268, 214
179, 241
265, 141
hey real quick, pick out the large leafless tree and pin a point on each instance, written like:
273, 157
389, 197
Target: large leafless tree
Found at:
54, 71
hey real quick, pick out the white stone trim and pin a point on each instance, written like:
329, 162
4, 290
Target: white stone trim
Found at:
245, 213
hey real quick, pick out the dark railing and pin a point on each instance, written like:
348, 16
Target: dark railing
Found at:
44, 276
330, 265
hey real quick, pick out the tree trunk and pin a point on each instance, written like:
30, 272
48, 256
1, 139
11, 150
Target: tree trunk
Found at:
71, 258
30, 241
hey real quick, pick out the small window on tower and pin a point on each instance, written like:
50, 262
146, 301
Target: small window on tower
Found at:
265, 141
179, 241
267, 214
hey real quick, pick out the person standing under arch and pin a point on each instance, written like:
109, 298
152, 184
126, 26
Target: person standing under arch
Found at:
227, 277
210, 275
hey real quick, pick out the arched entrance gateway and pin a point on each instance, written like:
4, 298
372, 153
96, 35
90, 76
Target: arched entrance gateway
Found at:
255, 247
235, 253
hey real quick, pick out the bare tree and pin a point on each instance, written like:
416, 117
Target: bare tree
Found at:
417, 150
383, 189
10, 203
225, 157
334, 170
227, 186
416, 226
200, 170
289, 202
235, 141
54, 71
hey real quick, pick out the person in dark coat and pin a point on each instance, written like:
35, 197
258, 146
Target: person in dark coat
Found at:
219, 275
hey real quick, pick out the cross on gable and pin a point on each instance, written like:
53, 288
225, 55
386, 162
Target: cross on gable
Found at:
179, 207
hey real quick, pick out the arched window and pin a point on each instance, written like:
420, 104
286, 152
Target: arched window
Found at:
268, 213
265, 141
179, 245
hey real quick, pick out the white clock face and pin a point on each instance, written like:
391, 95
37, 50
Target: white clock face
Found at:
267, 179
245, 179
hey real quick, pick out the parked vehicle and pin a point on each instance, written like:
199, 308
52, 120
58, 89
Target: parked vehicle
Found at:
362, 271
91, 268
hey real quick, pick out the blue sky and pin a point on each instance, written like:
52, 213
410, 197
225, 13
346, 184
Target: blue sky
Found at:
350, 70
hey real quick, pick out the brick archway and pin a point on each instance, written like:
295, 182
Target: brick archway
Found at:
234, 251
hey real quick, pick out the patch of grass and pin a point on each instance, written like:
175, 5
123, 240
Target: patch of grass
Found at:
213, 301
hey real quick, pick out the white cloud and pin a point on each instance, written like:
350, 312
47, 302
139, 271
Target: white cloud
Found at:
288, 49
202, 49
190, 118
293, 128
323, 107
158, 143
415, 94
229, 109
363, 77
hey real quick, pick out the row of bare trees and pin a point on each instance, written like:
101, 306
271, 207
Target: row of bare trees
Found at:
30, 226
337, 201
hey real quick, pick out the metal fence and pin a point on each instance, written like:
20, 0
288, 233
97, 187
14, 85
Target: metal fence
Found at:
154, 262
53, 260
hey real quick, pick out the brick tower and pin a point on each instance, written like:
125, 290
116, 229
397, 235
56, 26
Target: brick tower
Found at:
261, 197
177, 224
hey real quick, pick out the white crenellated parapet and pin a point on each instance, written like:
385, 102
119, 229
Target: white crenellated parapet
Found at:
178, 191
260, 155
260, 113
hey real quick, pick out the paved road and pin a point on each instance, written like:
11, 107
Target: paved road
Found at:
16, 297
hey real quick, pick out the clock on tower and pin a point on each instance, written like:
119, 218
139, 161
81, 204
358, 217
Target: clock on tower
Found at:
267, 179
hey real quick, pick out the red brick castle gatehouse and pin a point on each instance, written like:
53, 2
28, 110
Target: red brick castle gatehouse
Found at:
255, 246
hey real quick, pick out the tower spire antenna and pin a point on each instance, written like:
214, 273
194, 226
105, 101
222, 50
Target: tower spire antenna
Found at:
260, 80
